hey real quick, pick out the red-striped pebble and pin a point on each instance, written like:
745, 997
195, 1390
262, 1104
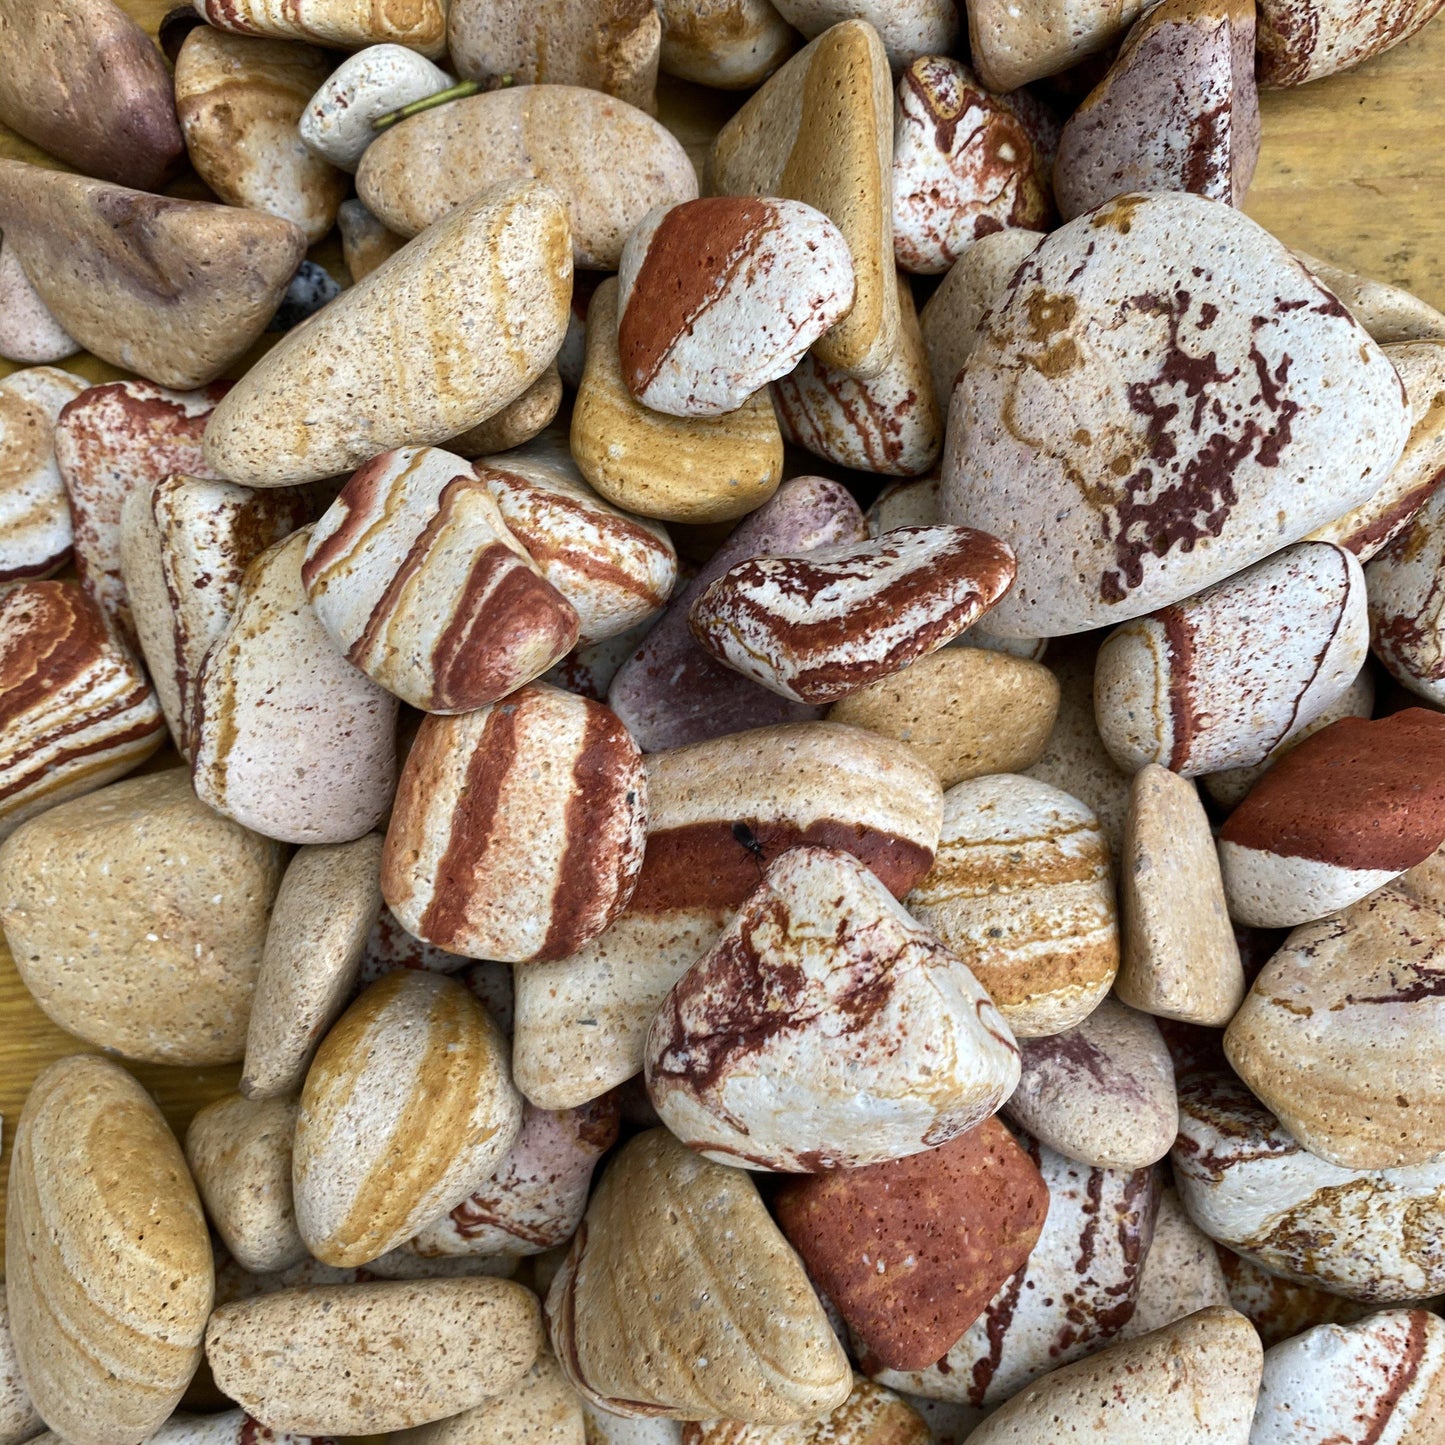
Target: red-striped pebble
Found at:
35, 531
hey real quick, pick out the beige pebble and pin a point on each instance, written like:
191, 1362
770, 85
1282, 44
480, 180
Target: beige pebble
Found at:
965, 711
327, 905
1388, 313
365, 242
239, 1151
543, 1409
29, 334
407, 1109
871, 1415
19, 1419
363, 1358
1180, 959
35, 520
136, 916
518, 422
108, 1265
342, 24
727, 44
1012, 45
1181, 1272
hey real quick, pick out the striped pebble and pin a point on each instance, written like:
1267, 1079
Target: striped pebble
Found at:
35, 529
518, 828
418, 581
1407, 602
718, 297
1222, 678
1368, 1234
76, 711
345, 24
289, 739
818, 627
616, 570
117, 439
825, 1030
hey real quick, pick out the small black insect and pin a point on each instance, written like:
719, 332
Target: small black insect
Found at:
743, 835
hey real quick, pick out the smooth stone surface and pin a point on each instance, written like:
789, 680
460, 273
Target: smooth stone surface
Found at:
407, 1109
1302, 40
606, 161
1189, 498
681, 469
1180, 959
35, 520
1181, 1273
672, 1237
522, 419
543, 1409
1177, 111
727, 44
821, 131
29, 334
907, 28
174, 290
108, 1264
339, 24
1022, 890
356, 1359
1011, 45
1407, 603
498, 266
1388, 313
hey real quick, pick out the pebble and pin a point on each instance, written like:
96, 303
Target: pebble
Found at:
1387, 312
820, 131
1279, 1308
110, 441
321, 923
338, 24
727, 44
718, 297
239, 100
1011, 46
136, 917
1181, 1273
419, 583
109, 1264
1179, 959
185, 544
84, 82
239, 1152
671, 1236
288, 738
681, 469
336, 124
889, 423
542, 1410
1381, 1379
35, 520
1022, 890
1407, 602
611, 49
1302, 40
963, 167
498, 265
817, 627
357, 1359
912, 1250
19, 1420
311, 288
871, 1415
518, 422
1101, 1093
1367, 1234
1072, 1296
669, 692
365, 242
1220, 679
1336, 818
407, 1108
965, 711
1196, 1379
174, 290
588, 670
825, 1029
907, 28
29, 334
518, 829
1072, 353
607, 162
536, 1198
1177, 111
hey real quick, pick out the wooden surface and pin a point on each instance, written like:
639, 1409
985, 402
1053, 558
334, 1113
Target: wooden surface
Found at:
1353, 170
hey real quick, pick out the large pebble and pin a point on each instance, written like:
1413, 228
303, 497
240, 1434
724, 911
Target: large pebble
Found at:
1202, 405
338, 24
408, 1107
29, 334
1011, 44
108, 1263
35, 520
364, 1358
1022, 890
1389, 313
174, 290
607, 162
1302, 40
826, 1029
907, 28
1407, 602
288, 738
728, 44
676, 1250
499, 266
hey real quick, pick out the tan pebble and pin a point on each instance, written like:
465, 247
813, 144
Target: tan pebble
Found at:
907, 28
1022, 890
499, 265
1302, 40
542, 1410
29, 334
365, 242
19, 1420
965, 711
1180, 958
239, 100
364, 1358
234, 1283
605, 1428
328, 903
401, 1263
1011, 45
1388, 313
239, 1151
727, 44
670, 1237
518, 422
35, 520
681, 469
108, 1263
407, 1109
1181, 1272
871, 1415
341, 24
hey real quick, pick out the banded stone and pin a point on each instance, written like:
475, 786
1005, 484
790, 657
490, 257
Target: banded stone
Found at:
340, 24
35, 522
